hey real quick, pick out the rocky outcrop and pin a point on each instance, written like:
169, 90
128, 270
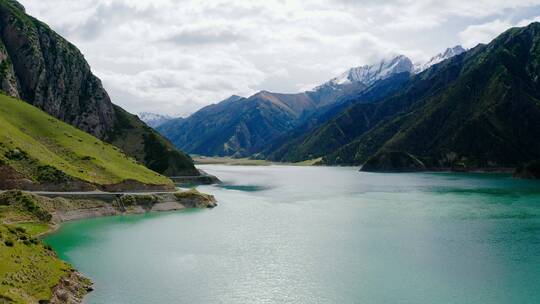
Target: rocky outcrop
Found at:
393, 162
40, 67
71, 289
195, 199
9, 83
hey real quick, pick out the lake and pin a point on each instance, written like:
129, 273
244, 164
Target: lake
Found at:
321, 235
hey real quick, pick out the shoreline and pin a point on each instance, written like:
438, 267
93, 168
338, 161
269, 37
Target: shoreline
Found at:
59, 208
225, 162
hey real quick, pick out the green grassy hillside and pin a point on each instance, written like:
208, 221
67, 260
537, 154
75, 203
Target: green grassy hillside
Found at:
45, 149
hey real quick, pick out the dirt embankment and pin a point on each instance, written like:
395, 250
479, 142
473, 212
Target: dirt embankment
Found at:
80, 208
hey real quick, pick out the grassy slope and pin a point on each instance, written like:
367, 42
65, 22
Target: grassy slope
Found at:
70, 150
28, 271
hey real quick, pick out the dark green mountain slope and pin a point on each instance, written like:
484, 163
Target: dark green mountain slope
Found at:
297, 144
237, 126
477, 110
40, 67
265, 124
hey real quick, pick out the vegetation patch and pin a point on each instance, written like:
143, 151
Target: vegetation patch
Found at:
25, 203
195, 199
16, 154
49, 174
136, 200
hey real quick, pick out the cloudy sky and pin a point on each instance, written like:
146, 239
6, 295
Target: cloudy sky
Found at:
175, 56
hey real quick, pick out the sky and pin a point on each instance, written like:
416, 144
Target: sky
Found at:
175, 56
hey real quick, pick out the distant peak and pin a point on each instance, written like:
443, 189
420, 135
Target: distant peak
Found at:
453, 51
233, 98
152, 119
369, 74
447, 54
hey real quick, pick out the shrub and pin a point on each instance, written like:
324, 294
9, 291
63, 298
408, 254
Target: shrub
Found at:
9, 243
16, 154
49, 174
48, 247
126, 200
131, 200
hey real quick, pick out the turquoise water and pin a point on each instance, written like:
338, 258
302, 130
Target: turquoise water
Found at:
322, 235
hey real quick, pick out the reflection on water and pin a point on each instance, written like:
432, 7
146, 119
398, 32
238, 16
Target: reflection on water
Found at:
322, 235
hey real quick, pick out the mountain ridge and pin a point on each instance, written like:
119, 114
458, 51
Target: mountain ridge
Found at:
477, 110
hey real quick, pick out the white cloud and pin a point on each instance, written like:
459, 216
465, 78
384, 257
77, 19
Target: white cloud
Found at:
482, 33
485, 32
175, 56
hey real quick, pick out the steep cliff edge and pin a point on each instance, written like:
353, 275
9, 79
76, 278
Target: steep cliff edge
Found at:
40, 67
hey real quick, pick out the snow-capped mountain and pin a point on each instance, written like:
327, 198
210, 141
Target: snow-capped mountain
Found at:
448, 53
369, 74
154, 120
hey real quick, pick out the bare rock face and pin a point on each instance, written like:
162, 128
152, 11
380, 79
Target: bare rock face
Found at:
9, 83
40, 67
71, 289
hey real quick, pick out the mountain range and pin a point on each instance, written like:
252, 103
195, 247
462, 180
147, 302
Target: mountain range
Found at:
460, 110
242, 127
477, 110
